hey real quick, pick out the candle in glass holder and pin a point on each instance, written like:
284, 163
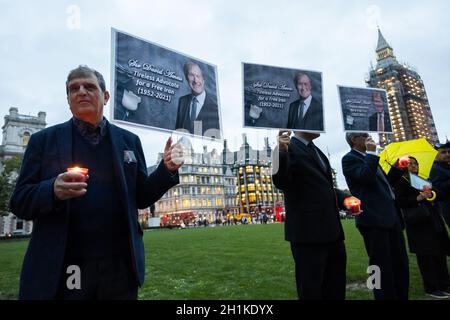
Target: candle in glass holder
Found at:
403, 162
353, 205
83, 171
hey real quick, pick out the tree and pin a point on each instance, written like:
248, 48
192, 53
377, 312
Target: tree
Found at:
8, 179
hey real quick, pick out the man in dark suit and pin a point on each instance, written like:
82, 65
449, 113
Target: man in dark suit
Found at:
380, 223
87, 242
197, 112
440, 177
379, 121
313, 224
305, 113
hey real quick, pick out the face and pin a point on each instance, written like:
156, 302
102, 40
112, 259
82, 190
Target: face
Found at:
359, 141
413, 166
86, 99
378, 102
443, 155
304, 86
195, 79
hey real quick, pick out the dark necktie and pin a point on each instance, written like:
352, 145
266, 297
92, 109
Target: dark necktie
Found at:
380, 122
194, 109
301, 109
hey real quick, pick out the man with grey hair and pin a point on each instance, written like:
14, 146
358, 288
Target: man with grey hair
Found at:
198, 112
306, 113
87, 242
380, 223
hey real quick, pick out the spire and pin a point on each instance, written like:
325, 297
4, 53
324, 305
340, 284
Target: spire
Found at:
385, 53
382, 43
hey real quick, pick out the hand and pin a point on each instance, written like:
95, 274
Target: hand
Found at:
283, 139
173, 156
353, 205
70, 185
425, 195
371, 145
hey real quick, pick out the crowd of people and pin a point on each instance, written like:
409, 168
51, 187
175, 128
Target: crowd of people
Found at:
389, 203
98, 231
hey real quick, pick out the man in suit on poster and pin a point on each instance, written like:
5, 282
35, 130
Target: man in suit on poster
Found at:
305, 113
379, 120
312, 225
197, 112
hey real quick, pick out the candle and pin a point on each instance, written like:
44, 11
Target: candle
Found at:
353, 205
403, 162
83, 171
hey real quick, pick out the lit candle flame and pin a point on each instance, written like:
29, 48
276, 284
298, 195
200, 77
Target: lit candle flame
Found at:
77, 169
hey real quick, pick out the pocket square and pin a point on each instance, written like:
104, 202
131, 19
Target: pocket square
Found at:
128, 156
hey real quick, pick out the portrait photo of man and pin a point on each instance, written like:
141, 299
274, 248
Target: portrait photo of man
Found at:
379, 121
306, 113
198, 112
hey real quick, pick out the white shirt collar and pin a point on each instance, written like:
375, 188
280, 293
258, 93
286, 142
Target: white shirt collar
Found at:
366, 153
304, 141
363, 153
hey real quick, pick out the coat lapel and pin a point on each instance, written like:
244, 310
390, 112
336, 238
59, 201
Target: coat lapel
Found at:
64, 144
380, 173
293, 114
312, 155
118, 147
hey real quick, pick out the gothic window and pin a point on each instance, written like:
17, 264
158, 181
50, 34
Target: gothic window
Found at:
25, 138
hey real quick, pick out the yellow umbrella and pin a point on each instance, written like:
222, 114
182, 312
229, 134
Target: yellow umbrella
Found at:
420, 149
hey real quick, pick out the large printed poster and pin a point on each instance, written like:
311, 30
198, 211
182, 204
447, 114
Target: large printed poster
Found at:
159, 88
281, 98
365, 109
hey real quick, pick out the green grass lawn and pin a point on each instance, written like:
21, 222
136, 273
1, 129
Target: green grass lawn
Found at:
230, 262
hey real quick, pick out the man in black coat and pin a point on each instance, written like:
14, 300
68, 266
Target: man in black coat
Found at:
312, 224
305, 113
440, 177
380, 223
197, 112
87, 241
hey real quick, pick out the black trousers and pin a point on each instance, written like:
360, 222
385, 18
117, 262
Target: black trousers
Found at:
320, 270
434, 271
386, 249
101, 279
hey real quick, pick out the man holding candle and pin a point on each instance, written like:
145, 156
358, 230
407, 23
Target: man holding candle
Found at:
312, 225
381, 223
87, 218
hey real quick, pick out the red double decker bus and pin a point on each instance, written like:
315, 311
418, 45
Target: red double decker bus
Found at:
177, 219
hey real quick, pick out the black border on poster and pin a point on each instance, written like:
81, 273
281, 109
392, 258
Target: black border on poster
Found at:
369, 89
284, 129
114, 31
